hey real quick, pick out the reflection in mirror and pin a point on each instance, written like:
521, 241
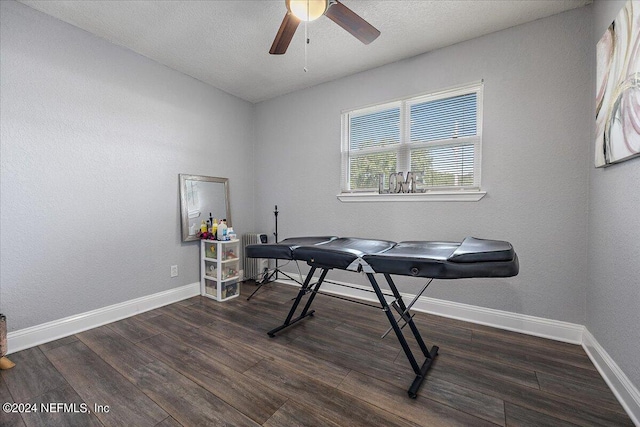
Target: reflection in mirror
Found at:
202, 198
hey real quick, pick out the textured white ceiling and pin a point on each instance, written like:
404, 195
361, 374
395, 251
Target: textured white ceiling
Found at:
226, 43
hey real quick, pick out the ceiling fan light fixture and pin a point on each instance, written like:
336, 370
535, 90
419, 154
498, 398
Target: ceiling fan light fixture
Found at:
307, 10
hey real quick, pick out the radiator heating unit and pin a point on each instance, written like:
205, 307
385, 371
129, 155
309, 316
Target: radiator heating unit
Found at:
254, 268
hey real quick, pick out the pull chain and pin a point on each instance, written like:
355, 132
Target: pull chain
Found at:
306, 42
306, 35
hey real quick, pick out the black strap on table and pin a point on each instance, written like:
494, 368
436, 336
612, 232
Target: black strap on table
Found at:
429, 354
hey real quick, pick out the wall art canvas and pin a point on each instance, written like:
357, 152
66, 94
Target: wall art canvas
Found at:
618, 90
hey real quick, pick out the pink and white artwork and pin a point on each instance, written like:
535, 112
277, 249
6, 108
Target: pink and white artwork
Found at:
618, 91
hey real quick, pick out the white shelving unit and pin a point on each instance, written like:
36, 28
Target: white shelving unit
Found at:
220, 269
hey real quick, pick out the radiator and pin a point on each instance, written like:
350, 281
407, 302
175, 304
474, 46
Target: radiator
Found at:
254, 267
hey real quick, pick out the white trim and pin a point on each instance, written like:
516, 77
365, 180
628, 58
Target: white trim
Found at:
445, 92
430, 196
50, 331
516, 322
530, 325
624, 390
404, 146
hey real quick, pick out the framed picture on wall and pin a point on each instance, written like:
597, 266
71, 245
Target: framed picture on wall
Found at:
618, 89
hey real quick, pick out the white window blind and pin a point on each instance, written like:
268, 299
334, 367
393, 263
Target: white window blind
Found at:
437, 137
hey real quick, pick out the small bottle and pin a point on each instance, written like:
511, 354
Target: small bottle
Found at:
222, 230
231, 234
203, 226
214, 228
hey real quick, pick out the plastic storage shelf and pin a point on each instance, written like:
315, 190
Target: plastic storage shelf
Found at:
220, 269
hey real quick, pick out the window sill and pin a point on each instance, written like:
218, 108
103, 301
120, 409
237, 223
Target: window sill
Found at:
432, 196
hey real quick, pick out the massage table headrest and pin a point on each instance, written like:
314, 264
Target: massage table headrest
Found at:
482, 250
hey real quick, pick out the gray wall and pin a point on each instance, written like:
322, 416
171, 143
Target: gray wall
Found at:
93, 139
613, 288
537, 127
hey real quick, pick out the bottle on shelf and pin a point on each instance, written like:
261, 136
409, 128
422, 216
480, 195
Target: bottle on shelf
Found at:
203, 227
231, 234
214, 228
222, 230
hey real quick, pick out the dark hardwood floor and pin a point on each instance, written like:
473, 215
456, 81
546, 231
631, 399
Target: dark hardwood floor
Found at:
200, 362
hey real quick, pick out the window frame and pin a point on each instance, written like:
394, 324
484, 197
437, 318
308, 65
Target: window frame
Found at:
405, 146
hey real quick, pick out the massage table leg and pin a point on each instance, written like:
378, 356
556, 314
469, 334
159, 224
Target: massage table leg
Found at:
408, 317
305, 312
314, 292
420, 371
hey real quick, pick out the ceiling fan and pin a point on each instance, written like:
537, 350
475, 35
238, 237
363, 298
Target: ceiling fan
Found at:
310, 10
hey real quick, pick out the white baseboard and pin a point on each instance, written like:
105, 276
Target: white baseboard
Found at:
626, 393
50, 331
531, 325
522, 323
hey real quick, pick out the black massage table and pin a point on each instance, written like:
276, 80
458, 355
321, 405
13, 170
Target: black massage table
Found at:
433, 260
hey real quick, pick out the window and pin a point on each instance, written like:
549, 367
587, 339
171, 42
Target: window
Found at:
193, 199
437, 137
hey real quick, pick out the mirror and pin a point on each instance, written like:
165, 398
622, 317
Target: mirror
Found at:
202, 197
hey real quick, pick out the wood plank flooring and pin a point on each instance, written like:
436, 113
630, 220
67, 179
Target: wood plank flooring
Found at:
199, 362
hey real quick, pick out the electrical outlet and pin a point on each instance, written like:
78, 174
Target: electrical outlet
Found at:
174, 271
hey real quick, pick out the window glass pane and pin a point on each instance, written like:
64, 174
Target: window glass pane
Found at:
364, 170
429, 126
444, 118
444, 166
375, 129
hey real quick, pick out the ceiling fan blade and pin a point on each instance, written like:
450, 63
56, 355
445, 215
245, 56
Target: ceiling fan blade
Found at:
285, 34
350, 21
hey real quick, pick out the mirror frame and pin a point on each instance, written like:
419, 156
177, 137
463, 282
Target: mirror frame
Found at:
184, 211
